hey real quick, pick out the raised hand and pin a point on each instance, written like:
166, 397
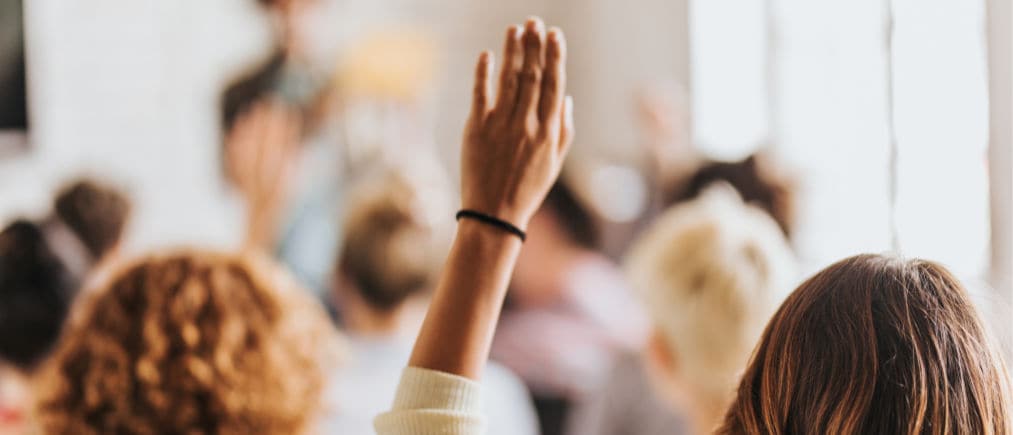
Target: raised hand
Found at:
513, 151
514, 146
260, 155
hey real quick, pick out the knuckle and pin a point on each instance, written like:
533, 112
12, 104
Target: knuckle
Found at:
550, 80
530, 75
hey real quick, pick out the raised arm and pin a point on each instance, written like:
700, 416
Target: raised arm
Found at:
260, 155
512, 153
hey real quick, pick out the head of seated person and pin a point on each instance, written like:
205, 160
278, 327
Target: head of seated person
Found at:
875, 344
389, 258
95, 214
757, 178
36, 290
188, 342
710, 273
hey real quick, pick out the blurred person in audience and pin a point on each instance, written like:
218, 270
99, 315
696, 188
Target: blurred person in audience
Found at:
302, 230
388, 261
565, 291
42, 267
287, 74
189, 342
759, 179
679, 172
710, 272
97, 216
875, 344
36, 290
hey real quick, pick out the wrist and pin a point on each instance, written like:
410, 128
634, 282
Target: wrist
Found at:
482, 231
492, 221
484, 239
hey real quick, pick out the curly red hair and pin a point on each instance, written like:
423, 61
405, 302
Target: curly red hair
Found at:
196, 342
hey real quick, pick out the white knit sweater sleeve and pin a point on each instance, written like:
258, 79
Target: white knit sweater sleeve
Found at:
430, 402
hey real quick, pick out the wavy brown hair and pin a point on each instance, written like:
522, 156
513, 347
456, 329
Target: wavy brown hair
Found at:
189, 343
875, 345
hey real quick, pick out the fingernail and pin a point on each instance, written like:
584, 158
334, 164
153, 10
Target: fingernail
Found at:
535, 24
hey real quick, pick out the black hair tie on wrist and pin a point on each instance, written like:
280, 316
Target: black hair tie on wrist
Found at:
494, 221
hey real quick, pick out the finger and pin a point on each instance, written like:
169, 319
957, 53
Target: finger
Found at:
568, 130
531, 72
554, 78
480, 99
507, 94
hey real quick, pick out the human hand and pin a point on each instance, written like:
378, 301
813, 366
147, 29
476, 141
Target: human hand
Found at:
260, 156
514, 147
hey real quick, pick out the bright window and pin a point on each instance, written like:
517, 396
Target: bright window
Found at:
815, 78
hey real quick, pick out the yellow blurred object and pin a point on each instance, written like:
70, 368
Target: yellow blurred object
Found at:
389, 65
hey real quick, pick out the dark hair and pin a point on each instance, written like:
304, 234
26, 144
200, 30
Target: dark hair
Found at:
387, 254
35, 294
97, 214
573, 217
755, 181
874, 345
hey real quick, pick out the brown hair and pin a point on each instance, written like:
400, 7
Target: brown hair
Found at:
188, 343
874, 345
756, 180
390, 252
97, 214
574, 218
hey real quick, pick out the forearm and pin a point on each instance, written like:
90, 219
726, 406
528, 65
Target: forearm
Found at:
458, 329
261, 229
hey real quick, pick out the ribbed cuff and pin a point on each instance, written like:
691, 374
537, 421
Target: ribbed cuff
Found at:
430, 402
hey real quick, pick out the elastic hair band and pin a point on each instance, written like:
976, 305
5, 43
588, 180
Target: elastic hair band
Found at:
494, 221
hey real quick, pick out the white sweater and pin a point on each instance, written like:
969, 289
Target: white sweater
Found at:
433, 403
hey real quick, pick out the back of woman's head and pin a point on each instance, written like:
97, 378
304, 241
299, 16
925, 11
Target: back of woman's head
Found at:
188, 343
391, 250
97, 214
35, 293
711, 272
875, 344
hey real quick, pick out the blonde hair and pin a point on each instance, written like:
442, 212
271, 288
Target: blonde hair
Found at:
711, 272
393, 247
190, 342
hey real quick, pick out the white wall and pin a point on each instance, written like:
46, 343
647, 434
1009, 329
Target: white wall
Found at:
127, 89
